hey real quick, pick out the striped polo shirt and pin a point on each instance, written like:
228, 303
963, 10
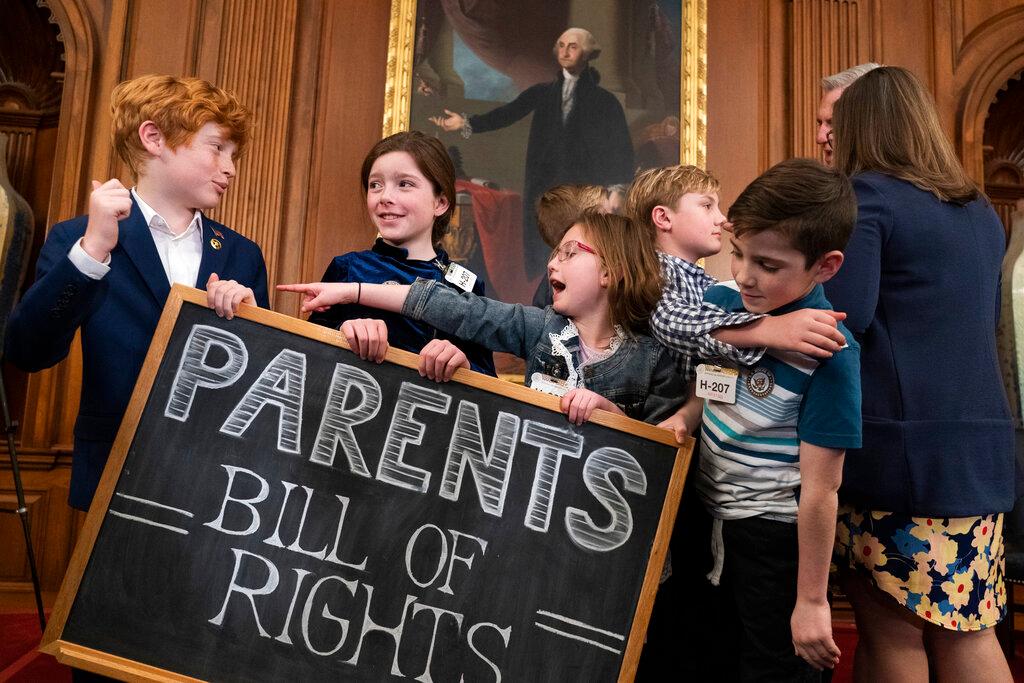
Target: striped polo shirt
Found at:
750, 449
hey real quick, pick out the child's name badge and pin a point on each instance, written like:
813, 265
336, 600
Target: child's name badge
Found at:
717, 383
549, 385
463, 278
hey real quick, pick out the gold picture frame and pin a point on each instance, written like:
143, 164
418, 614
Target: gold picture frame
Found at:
496, 259
693, 74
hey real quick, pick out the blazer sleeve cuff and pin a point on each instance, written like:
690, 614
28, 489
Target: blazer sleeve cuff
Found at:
86, 264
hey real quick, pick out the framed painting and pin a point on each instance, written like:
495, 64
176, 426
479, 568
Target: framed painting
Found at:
538, 93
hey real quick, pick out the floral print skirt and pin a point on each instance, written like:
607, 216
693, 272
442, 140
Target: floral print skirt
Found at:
948, 571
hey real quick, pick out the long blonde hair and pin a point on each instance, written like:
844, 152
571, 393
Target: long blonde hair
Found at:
886, 122
634, 273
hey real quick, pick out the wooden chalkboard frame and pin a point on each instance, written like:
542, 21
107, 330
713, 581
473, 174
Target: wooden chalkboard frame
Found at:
111, 665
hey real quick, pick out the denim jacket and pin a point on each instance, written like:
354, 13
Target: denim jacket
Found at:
640, 377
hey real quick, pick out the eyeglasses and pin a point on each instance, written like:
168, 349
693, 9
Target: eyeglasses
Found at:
566, 251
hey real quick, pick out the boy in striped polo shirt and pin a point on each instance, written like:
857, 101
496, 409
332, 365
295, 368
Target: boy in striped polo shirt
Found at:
772, 450
679, 206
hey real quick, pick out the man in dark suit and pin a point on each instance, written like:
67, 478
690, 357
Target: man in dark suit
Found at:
578, 133
108, 274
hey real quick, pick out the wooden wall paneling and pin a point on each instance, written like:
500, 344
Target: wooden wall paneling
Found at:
976, 13
738, 90
991, 54
827, 36
14, 569
52, 395
55, 528
946, 34
256, 58
160, 37
78, 33
300, 185
103, 162
907, 37
777, 59
348, 121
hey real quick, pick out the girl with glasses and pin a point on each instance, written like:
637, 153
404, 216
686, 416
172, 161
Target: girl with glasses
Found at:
589, 347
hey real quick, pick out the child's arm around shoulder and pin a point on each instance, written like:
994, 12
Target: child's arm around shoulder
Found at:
809, 331
684, 322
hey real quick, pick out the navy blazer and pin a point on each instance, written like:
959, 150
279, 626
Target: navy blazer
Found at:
920, 285
117, 316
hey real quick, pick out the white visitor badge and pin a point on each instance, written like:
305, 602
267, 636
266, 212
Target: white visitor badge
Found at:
463, 278
549, 385
717, 383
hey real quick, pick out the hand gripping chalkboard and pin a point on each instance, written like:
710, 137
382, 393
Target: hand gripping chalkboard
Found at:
277, 509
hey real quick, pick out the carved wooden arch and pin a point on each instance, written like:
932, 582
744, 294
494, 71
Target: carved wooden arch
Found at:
53, 392
77, 34
991, 56
1005, 169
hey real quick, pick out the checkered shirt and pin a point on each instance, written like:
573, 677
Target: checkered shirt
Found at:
683, 321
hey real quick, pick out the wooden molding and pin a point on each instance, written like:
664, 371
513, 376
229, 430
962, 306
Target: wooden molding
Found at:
693, 73
255, 60
992, 54
827, 36
78, 35
398, 85
983, 33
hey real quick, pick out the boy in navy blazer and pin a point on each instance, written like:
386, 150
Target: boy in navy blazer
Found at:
108, 273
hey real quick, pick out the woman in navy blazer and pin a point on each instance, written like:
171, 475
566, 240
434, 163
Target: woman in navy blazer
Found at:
923, 499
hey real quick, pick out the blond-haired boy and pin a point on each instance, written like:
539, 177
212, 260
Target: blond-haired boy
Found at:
109, 272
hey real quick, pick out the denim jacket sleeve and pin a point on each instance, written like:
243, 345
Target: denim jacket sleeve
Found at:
667, 390
510, 328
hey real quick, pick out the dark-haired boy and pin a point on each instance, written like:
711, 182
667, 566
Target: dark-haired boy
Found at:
772, 447
679, 206
108, 273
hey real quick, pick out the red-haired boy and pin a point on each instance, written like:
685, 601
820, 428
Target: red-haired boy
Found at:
108, 273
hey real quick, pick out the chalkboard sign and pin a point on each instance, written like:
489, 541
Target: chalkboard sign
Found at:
277, 509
